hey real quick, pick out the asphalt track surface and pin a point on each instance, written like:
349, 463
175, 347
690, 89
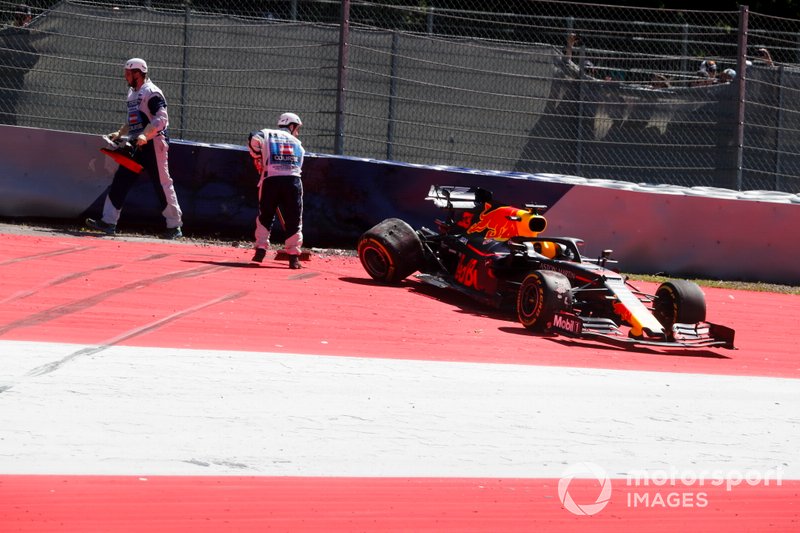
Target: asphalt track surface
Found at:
157, 386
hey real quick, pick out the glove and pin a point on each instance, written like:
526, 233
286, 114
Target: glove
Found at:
141, 140
113, 136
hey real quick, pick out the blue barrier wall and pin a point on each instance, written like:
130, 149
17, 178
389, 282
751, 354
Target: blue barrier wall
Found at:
703, 232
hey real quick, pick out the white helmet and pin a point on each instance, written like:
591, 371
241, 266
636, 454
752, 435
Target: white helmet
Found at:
289, 118
136, 64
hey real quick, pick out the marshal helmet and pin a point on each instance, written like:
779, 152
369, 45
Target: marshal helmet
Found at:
289, 118
136, 64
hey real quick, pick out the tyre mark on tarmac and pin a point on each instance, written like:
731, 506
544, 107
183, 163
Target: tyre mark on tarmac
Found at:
58, 281
154, 257
69, 277
55, 365
304, 275
80, 305
54, 253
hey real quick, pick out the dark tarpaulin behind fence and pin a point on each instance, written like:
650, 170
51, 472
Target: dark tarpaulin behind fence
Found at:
437, 96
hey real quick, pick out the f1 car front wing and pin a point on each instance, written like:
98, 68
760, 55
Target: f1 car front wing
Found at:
700, 335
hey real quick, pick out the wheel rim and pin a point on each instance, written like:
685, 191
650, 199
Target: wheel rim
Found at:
375, 262
664, 307
529, 301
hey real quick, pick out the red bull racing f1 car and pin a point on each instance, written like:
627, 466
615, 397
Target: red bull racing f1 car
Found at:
496, 254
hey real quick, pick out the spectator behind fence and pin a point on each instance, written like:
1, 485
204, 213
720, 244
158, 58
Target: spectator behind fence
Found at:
727, 76
17, 57
702, 78
710, 67
574, 69
572, 40
763, 57
659, 81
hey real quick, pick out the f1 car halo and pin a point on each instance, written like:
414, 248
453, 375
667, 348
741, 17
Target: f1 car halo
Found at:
494, 253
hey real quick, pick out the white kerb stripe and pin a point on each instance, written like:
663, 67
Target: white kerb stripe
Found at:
158, 411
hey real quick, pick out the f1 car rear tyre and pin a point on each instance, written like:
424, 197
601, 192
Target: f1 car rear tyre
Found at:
390, 251
679, 301
543, 294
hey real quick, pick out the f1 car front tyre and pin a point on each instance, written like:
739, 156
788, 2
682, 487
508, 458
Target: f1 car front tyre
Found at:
390, 251
543, 294
679, 301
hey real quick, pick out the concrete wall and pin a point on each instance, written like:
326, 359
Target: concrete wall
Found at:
713, 233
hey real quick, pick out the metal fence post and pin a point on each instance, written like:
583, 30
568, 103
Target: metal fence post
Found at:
779, 133
186, 17
581, 110
341, 83
392, 98
740, 90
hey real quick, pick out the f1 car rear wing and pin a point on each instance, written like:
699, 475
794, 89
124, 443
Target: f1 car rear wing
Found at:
469, 198
452, 197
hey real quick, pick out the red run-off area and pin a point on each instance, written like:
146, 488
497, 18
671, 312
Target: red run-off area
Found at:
86, 290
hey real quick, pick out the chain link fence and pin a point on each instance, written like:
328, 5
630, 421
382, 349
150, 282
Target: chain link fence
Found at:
497, 85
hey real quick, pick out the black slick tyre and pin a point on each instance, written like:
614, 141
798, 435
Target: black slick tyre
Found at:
679, 301
390, 251
542, 294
